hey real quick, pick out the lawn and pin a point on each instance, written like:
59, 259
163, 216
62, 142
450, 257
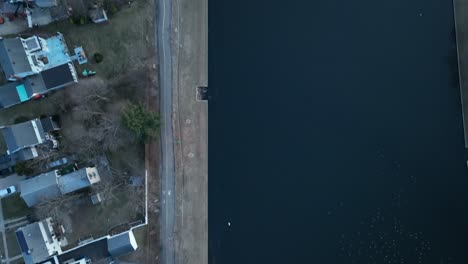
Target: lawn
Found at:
17, 261
12, 243
124, 207
125, 41
2, 249
14, 207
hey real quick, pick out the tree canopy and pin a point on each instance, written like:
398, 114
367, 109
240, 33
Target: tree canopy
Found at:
145, 124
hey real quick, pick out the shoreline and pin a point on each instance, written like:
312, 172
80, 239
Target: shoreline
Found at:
461, 22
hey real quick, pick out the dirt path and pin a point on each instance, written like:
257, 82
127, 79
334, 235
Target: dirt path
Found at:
152, 249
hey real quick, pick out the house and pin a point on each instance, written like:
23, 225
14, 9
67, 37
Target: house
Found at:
78, 180
21, 58
121, 244
14, 59
40, 188
38, 241
23, 138
51, 185
35, 86
36, 66
104, 248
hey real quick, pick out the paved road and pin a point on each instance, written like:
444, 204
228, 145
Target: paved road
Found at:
167, 168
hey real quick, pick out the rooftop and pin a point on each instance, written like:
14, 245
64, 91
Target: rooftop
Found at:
59, 76
56, 52
37, 241
23, 135
37, 189
122, 244
10, 94
13, 57
78, 179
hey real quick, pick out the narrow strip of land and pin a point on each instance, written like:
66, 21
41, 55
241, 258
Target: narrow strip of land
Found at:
461, 26
190, 70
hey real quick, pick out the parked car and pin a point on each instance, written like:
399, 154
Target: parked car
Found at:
57, 163
7, 191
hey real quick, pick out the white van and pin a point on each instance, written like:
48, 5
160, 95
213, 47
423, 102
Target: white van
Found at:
7, 191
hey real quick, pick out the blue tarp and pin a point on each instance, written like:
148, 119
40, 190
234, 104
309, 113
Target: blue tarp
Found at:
22, 93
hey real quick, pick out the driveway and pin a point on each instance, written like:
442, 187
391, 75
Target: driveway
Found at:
11, 180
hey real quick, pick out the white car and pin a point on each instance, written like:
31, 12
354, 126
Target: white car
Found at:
7, 191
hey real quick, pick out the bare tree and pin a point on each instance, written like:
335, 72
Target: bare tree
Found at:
57, 208
93, 124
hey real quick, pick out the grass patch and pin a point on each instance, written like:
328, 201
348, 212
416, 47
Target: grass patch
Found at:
123, 42
67, 169
17, 261
13, 246
2, 248
14, 207
140, 235
122, 208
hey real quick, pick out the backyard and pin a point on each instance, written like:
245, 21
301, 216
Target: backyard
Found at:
12, 243
14, 207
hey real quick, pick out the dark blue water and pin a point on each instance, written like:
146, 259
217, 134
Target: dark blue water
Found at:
335, 133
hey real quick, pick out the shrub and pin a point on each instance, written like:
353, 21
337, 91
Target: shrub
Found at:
83, 20
20, 119
24, 168
145, 124
113, 9
98, 57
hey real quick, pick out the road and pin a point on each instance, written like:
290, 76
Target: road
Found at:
167, 169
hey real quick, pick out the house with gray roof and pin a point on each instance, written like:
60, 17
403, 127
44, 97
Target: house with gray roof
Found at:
107, 247
14, 59
35, 86
52, 185
36, 66
38, 241
24, 137
20, 58
78, 180
40, 188
121, 244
